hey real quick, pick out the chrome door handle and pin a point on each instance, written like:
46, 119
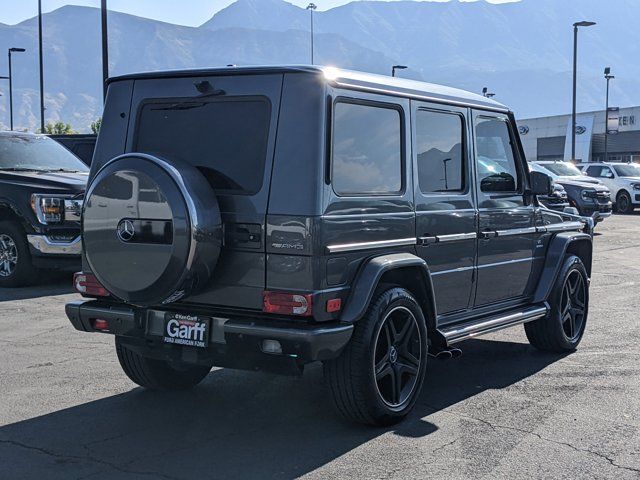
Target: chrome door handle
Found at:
487, 234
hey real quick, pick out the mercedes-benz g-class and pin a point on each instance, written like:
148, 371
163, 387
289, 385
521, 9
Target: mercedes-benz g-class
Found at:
270, 217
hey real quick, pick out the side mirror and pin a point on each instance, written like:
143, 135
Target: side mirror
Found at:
541, 183
498, 183
609, 175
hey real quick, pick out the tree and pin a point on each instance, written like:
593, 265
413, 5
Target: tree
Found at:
95, 126
58, 128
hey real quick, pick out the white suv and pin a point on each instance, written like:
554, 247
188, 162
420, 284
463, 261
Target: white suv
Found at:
623, 179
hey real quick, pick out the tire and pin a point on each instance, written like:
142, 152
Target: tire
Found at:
158, 375
562, 330
623, 202
351, 377
16, 269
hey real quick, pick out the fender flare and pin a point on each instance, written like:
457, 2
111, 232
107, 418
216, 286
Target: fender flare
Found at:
9, 205
559, 246
369, 276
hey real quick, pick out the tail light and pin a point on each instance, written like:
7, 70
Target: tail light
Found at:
100, 324
288, 303
88, 286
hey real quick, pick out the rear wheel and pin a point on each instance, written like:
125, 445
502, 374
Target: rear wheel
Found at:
623, 202
155, 374
378, 377
16, 269
562, 330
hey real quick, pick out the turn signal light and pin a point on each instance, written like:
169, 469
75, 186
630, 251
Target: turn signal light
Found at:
87, 285
287, 303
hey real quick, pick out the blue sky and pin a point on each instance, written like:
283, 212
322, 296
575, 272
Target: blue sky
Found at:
173, 11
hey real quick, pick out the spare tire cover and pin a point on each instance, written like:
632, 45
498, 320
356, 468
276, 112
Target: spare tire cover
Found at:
151, 229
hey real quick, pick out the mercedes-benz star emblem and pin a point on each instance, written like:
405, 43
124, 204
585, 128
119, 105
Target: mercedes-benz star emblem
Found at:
126, 230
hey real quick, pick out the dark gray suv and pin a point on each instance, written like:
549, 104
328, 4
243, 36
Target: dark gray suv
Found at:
267, 218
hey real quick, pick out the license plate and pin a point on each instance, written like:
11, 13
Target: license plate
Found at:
186, 330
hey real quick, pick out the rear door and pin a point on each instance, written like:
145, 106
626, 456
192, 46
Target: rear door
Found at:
226, 127
506, 217
445, 210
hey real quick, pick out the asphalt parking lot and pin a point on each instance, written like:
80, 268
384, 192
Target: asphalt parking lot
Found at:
502, 410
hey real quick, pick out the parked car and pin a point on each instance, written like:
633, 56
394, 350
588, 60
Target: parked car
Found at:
589, 196
267, 218
81, 145
41, 191
558, 200
623, 179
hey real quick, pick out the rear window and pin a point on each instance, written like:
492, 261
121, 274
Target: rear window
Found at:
226, 139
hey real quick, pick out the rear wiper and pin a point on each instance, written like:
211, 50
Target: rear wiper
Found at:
181, 106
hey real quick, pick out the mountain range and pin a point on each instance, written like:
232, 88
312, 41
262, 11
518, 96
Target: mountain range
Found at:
521, 51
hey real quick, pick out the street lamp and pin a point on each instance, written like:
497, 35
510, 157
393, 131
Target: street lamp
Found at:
607, 76
312, 7
105, 48
575, 75
486, 93
41, 67
397, 67
12, 50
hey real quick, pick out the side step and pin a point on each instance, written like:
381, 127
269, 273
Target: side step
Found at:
477, 327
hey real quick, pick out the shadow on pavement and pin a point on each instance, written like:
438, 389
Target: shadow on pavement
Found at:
237, 424
49, 284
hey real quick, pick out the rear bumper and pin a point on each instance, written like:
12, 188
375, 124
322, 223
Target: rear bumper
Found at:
234, 342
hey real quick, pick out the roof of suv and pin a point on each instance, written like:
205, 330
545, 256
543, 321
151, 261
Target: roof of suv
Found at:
347, 79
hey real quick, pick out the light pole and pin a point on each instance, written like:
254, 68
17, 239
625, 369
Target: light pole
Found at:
41, 68
105, 48
575, 75
4, 77
397, 67
12, 50
607, 76
312, 7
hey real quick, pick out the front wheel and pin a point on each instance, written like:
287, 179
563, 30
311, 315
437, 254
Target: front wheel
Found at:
16, 269
155, 374
562, 330
378, 377
623, 203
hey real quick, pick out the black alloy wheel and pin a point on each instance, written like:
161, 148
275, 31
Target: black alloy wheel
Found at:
397, 357
573, 305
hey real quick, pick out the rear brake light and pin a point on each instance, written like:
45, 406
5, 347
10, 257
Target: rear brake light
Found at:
88, 286
288, 303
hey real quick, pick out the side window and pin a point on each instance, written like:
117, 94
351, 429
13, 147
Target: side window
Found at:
439, 143
600, 172
606, 173
497, 170
594, 171
367, 149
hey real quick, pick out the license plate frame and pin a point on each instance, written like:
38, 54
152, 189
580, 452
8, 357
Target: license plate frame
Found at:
186, 330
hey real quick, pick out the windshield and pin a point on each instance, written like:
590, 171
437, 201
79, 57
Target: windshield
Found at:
627, 170
564, 169
37, 153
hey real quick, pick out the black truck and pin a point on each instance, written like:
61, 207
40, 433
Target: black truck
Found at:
41, 191
277, 216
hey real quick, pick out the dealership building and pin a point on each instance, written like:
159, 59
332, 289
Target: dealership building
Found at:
549, 138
